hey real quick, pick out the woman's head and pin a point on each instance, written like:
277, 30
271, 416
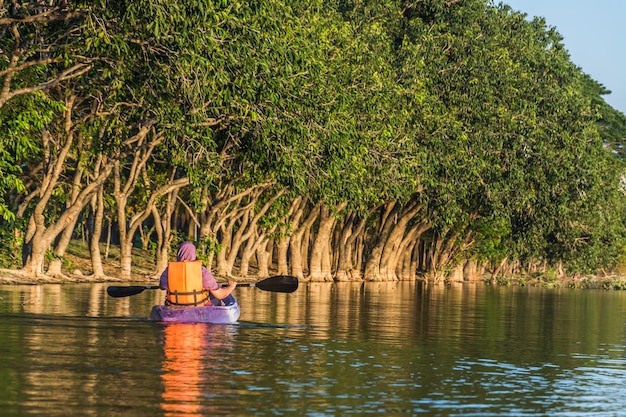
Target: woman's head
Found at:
186, 252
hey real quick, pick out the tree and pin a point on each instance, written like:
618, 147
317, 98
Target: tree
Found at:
351, 140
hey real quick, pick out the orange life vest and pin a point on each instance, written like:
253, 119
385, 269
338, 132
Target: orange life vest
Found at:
184, 281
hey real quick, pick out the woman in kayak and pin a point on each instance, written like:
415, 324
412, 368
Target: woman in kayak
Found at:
187, 254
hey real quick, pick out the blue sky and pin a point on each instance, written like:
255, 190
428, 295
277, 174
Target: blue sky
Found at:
594, 33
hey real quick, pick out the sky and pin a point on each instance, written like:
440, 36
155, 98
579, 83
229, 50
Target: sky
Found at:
594, 33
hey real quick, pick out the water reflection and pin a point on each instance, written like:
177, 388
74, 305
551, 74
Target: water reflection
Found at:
181, 368
190, 368
327, 349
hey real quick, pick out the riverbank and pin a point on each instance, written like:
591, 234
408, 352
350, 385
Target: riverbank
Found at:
77, 269
606, 282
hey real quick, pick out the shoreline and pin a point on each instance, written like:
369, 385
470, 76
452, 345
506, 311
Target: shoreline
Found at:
17, 277
78, 271
614, 282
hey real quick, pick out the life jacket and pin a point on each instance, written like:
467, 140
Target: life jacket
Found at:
184, 281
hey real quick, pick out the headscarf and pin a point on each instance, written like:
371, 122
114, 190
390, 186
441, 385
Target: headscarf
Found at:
186, 252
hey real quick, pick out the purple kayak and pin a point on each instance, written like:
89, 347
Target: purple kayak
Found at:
204, 314
199, 314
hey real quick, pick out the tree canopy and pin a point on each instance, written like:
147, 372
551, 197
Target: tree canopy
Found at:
369, 140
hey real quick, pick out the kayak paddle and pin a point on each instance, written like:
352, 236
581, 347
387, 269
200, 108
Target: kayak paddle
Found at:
279, 283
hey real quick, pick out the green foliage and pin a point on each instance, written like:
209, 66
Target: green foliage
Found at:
469, 107
20, 144
511, 137
208, 246
10, 244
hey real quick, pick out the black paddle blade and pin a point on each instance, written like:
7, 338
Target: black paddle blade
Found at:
117, 292
279, 283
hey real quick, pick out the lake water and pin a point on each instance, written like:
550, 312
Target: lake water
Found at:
326, 350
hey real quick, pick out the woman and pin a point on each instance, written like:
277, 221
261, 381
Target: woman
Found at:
218, 295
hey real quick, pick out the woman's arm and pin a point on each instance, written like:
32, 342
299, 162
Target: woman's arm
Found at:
223, 292
216, 290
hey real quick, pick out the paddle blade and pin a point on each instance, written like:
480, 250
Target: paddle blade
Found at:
117, 292
279, 283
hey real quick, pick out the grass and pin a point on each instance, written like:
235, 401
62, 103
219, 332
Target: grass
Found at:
78, 258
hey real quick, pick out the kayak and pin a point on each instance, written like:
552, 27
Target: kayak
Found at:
204, 314
197, 314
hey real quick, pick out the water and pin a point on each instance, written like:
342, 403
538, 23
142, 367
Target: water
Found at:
325, 350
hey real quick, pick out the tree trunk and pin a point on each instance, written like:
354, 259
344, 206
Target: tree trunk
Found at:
162, 249
247, 229
94, 240
282, 249
34, 251
445, 251
472, 271
408, 262
263, 256
126, 244
347, 267
221, 214
223, 267
39, 238
107, 247
144, 144
392, 258
296, 244
359, 244
42, 238
394, 245
163, 228
372, 265
55, 267
343, 250
320, 252
247, 252
405, 254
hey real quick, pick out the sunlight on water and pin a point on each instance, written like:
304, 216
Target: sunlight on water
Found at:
342, 349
